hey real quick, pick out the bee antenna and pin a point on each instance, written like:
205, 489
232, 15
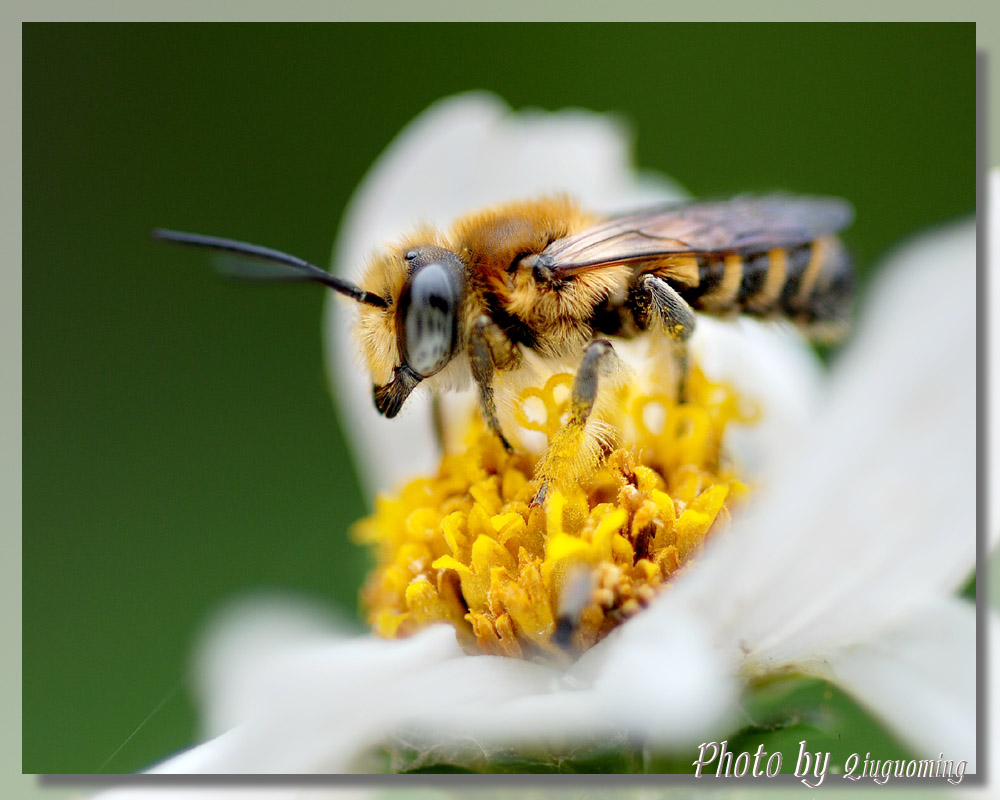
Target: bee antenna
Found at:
307, 271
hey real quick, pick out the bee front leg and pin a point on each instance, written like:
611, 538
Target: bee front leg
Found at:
654, 301
568, 445
486, 342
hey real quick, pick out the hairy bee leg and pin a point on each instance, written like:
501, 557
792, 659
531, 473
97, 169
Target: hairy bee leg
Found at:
683, 362
654, 299
577, 593
437, 421
483, 363
598, 357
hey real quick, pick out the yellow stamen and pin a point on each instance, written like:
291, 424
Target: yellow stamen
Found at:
466, 547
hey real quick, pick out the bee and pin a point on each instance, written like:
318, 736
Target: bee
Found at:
547, 277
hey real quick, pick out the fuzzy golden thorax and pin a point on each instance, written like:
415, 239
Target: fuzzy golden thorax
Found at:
493, 241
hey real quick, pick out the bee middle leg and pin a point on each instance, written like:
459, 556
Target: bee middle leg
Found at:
599, 358
488, 348
654, 301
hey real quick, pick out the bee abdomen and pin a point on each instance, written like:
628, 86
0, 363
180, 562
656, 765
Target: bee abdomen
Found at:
820, 284
810, 283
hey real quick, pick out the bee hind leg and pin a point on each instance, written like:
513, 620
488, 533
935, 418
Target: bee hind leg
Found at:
654, 302
566, 447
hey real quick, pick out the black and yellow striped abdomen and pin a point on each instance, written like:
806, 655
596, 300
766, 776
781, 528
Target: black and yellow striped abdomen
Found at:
811, 284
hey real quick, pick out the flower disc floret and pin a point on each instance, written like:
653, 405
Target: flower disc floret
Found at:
634, 503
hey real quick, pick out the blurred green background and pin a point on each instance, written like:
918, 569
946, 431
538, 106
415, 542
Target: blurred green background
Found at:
180, 446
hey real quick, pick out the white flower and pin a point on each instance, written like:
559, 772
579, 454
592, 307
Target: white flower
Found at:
845, 566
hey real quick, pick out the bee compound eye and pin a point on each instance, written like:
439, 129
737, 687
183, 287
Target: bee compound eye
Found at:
428, 333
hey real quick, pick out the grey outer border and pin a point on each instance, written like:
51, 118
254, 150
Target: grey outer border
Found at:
983, 278
472, 781
430, 10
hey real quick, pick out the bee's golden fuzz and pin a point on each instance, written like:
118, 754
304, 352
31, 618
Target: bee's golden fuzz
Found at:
385, 275
563, 312
490, 243
463, 546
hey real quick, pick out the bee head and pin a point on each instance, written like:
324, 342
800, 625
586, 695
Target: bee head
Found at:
418, 335
408, 326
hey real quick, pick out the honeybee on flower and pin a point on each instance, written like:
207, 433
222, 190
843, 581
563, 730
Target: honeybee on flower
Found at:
826, 567
546, 278
544, 281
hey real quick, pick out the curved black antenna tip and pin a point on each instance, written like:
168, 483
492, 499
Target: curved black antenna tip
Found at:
167, 235
306, 270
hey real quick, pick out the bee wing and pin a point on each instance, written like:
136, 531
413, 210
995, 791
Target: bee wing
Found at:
739, 225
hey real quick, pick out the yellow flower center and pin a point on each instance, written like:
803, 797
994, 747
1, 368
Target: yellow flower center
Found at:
628, 505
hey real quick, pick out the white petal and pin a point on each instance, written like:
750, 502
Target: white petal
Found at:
305, 701
878, 514
773, 368
661, 677
322, 705
464, 152
919, 677
320, 708
661, 684
239, 645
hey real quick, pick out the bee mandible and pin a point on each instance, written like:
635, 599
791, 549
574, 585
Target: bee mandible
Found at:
544, 276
